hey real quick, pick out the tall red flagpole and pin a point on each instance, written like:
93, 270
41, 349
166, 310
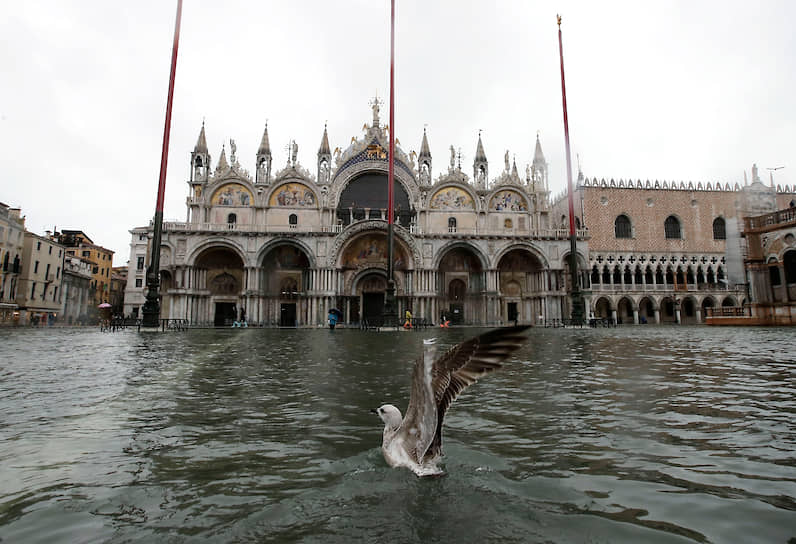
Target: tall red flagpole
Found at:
151, 309
390, 310
578, 307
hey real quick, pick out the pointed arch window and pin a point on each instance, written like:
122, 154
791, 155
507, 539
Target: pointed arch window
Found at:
719, 229
451, 224
622, 227
671, 228
293, 220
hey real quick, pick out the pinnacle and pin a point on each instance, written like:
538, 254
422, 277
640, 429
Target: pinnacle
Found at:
324, 149
201, 142
265, 145
424, 150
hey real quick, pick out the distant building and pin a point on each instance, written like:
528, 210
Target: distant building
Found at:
666, 252
283, 248
118, 286
78, 295
38, 294
80, 245
771, 271
12, 228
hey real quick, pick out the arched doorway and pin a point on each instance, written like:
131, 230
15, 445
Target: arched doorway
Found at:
284, 285
624, 311
688, 309
668, 310
220, 271
521, 281
371, 290
462, 281
602, 308
646, 311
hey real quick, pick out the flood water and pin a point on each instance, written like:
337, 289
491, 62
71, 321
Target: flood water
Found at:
637, 434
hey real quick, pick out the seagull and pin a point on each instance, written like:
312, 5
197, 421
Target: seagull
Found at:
415, 441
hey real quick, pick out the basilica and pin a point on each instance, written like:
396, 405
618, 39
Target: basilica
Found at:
283, 247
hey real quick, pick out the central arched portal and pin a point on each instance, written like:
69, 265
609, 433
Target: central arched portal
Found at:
221, 272
521, 280
283, 286
462, 278
363, 265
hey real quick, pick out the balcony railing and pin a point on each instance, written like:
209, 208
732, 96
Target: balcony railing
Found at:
554, 234
659, 287
770, 220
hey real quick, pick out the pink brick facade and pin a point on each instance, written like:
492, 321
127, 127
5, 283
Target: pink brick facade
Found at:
637, 272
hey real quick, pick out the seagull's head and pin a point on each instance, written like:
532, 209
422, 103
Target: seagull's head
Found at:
390, 415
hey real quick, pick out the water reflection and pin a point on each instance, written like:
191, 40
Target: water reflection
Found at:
653, 434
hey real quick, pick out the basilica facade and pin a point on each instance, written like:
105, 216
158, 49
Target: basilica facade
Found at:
283, 247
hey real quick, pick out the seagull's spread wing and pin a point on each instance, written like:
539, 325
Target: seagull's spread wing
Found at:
463, 365
420, 422
437, 383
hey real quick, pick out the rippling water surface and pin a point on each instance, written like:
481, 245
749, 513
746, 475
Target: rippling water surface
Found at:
636, 434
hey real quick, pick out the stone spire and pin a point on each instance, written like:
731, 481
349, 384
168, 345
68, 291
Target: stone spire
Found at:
222, 160
538, 156
265, 144
539, 171
424, 151
263, 174
424, 161
480, 165
324, 158
201, 143
324, 149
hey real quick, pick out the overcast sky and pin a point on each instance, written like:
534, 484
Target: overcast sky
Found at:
674, 90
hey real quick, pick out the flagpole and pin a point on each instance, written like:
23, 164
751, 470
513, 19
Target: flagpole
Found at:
390, 310
578, 307
151, 309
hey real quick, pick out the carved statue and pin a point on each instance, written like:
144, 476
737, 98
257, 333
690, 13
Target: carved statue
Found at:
424, 173
295, 151
375, 106
506, 159
324, 172
234, 149
453, 157
755, 177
